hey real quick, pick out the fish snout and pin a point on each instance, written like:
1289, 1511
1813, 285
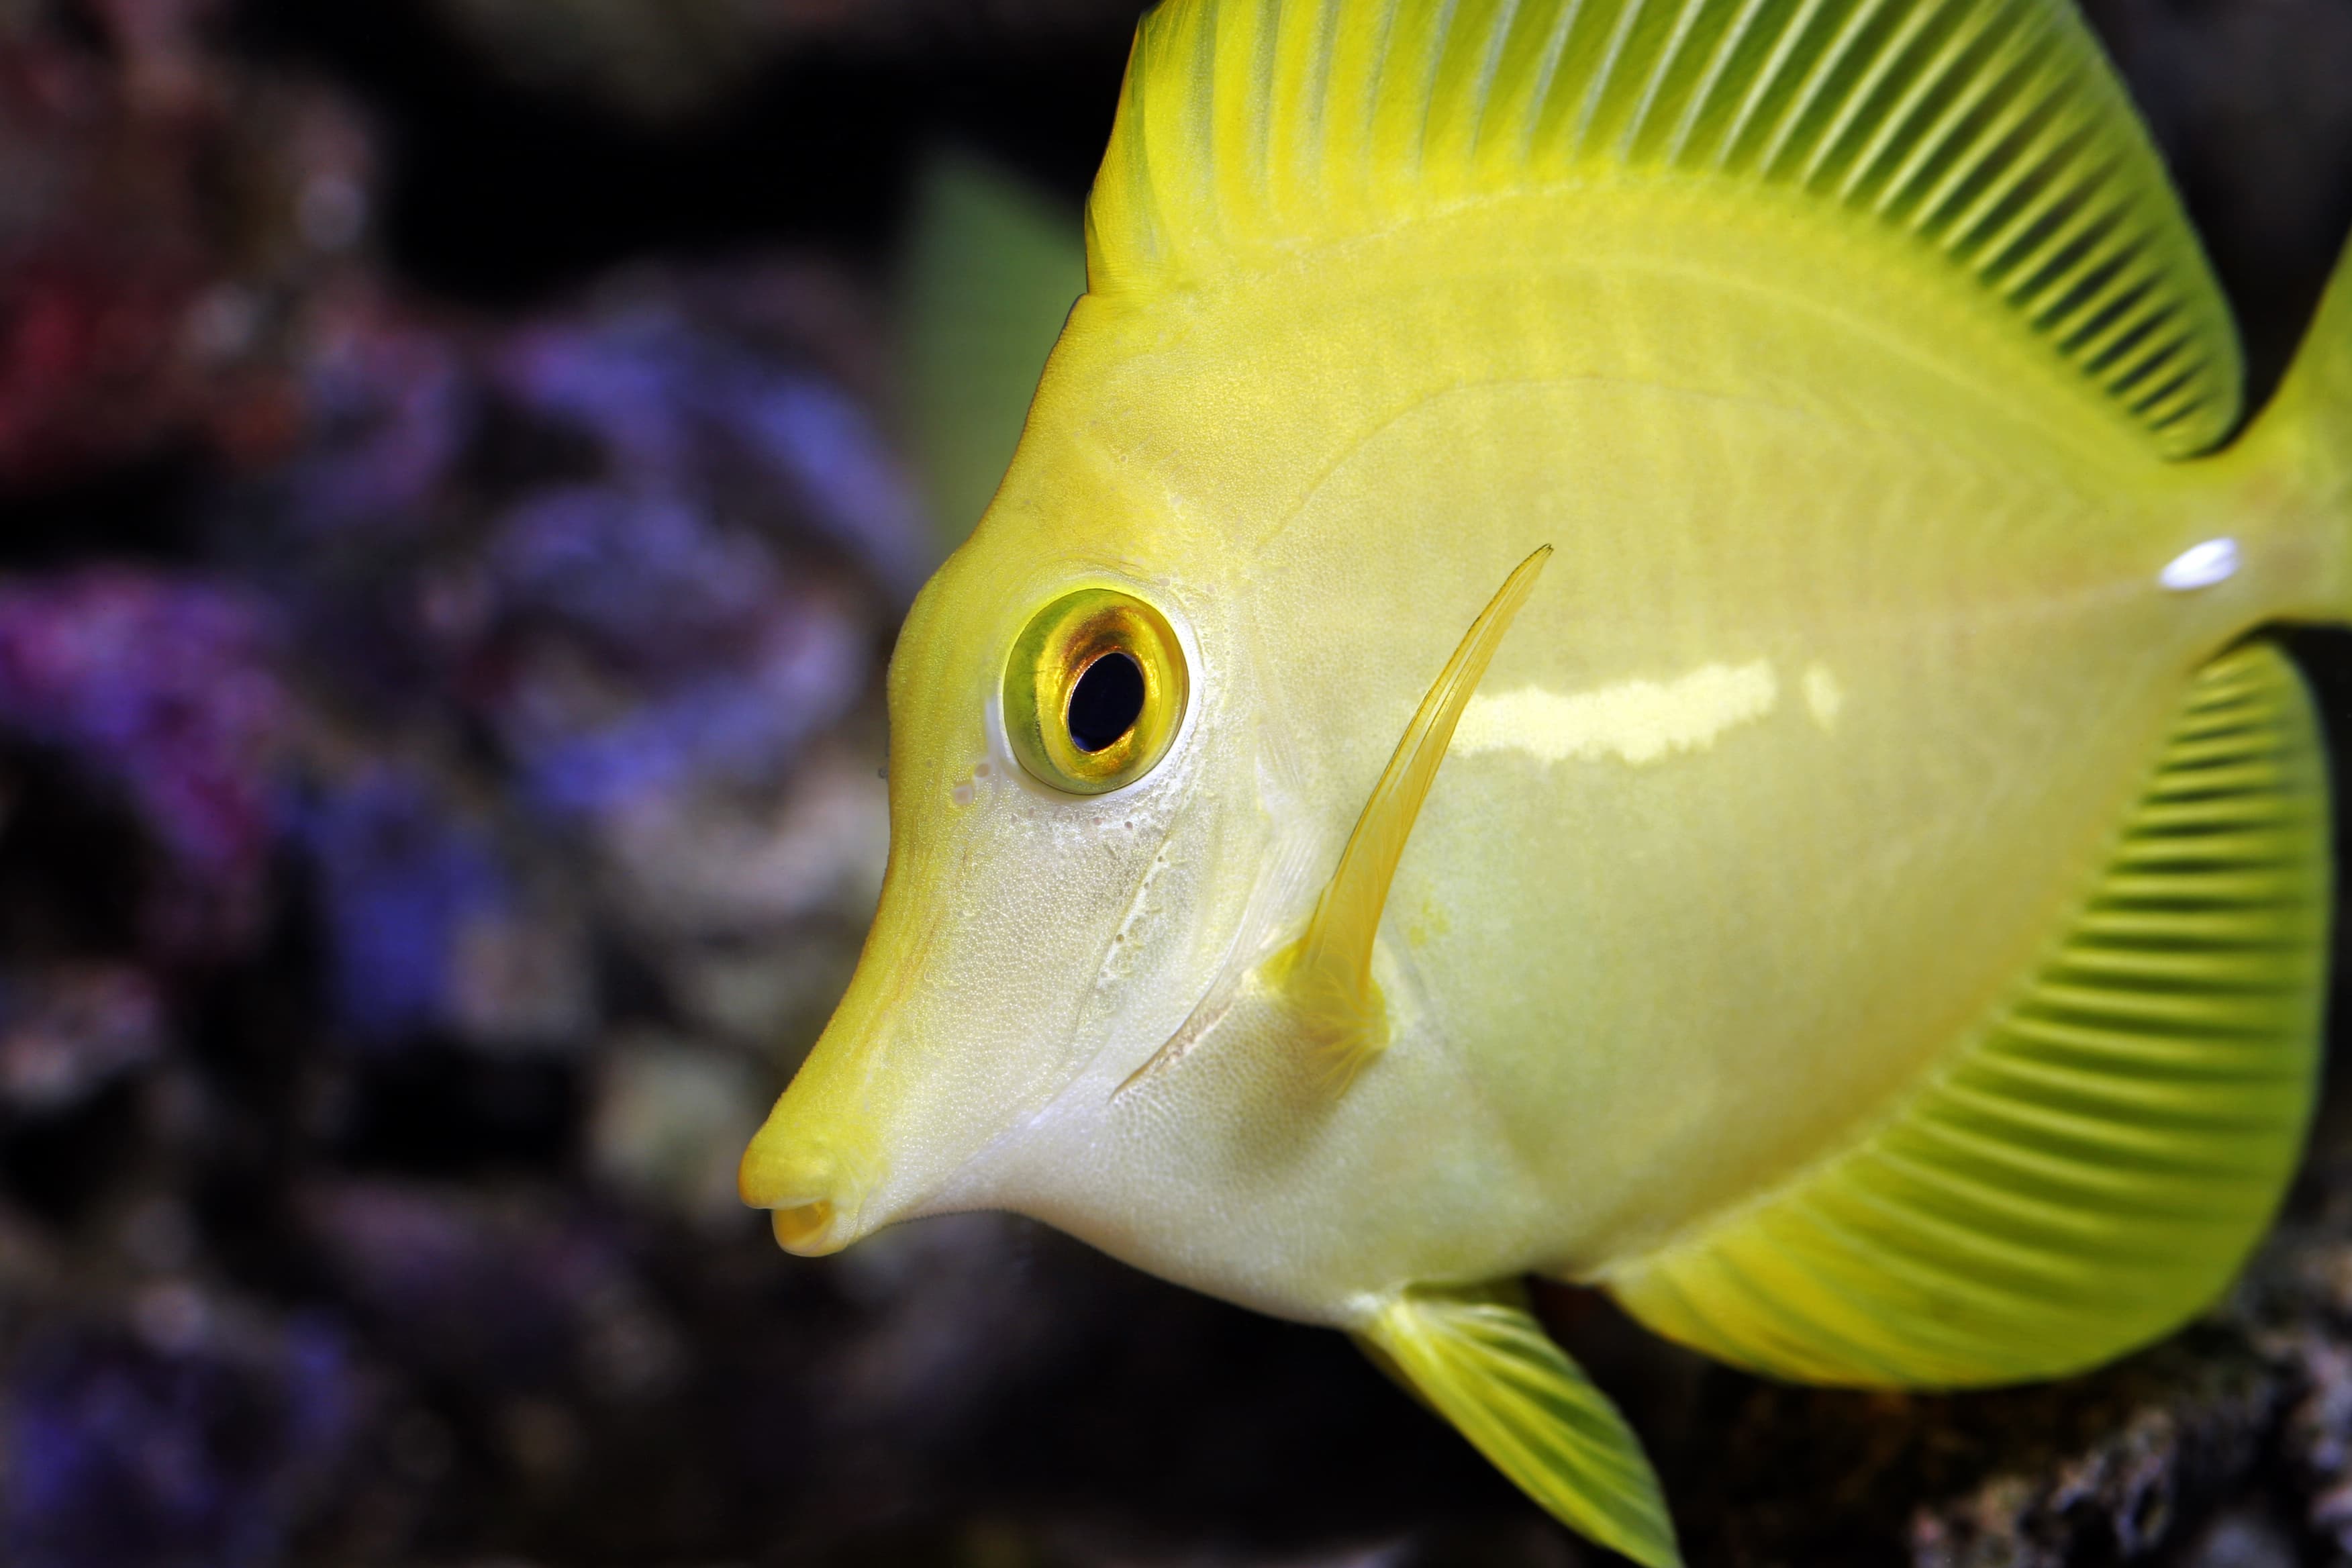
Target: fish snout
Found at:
815, 1200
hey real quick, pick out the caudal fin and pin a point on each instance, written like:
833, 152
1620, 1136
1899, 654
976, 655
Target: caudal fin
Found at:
2322, 376
2304, 437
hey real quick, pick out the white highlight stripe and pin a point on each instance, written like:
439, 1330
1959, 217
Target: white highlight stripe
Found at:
2202, 565
1636, 721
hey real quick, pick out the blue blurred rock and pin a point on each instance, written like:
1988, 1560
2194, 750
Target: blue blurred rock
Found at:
122, 1454
388, 406
164, 689
649, 649
399, 878
682, 405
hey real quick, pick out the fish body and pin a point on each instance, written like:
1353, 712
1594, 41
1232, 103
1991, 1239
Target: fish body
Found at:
1811, 645
1800, 846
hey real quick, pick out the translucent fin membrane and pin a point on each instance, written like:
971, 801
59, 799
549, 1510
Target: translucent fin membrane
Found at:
1484, 1362
2093, 1168
1988, 135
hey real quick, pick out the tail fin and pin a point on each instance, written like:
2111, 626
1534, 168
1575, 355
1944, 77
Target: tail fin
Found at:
2304, 437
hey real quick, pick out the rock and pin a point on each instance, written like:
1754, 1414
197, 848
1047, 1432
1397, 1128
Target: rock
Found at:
171, 1447
166, 689
669, 1125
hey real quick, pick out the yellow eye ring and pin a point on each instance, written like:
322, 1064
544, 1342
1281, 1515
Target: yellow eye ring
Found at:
1094, 691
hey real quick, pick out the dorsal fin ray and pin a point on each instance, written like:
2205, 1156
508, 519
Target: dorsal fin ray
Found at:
1991, 135
2093, 1165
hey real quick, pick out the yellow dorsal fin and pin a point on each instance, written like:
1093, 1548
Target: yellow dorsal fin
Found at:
2095, 1163
1989, 134
1329, 974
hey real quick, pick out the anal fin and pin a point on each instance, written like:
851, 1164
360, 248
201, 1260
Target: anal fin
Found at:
2093, 1165
1481, 1359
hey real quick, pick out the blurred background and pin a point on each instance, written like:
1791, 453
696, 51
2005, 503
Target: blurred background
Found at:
463, 462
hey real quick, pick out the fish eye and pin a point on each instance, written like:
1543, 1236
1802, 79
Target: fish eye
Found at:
1095, 690
1106, 702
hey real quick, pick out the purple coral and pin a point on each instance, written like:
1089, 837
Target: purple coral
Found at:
165, 689
652, 649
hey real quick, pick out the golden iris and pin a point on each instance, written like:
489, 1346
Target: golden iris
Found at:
1094, 691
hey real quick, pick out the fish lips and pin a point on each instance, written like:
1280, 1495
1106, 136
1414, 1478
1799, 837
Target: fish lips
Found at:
816, 1198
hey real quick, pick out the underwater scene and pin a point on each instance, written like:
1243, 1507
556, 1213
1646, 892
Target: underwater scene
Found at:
464, 468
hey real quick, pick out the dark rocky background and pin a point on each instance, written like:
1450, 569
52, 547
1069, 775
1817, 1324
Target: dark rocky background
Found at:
456, 466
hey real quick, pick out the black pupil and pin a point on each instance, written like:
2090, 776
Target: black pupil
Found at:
1106, 702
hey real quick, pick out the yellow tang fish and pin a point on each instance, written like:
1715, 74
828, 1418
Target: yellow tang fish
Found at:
1627, 642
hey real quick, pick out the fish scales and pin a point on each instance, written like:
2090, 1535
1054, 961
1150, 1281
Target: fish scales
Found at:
1872, 911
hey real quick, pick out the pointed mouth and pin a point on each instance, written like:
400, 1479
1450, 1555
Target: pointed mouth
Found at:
808, 1229
815, 1202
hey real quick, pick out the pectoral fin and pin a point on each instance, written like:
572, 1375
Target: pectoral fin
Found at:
1479, 1357
1329, 974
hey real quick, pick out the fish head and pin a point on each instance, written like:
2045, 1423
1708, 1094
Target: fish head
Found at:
1074, 825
